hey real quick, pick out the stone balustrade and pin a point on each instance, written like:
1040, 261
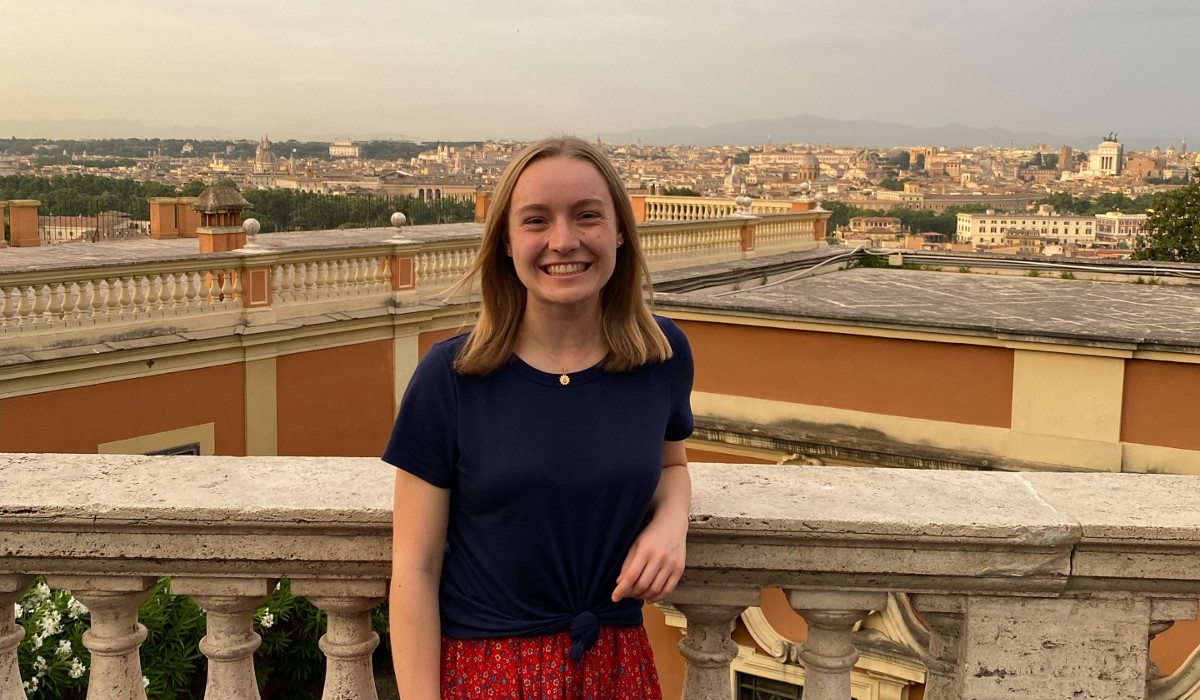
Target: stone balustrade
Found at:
136, 287
1031, 585
669, 208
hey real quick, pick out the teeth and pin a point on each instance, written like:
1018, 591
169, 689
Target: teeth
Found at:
565, 268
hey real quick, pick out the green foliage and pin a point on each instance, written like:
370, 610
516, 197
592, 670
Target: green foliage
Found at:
1033, 273
1067, 275
964, 269
1067, 203
1173, 223
742, 158
870, 260
680, 192
917, 221
289, 663
291, 210
901, 160
892, 184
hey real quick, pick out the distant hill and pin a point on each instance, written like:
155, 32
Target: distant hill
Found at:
806, 128
803, 128
107, 129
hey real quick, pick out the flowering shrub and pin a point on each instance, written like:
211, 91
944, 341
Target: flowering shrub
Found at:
54, 663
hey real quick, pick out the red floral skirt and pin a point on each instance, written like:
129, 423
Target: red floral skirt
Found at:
619, 667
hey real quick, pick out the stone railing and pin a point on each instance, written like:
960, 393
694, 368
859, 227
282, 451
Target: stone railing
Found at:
117, 288
1031, 585
663, 208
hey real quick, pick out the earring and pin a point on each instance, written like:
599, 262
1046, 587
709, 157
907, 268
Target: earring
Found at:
508, 251
620, 242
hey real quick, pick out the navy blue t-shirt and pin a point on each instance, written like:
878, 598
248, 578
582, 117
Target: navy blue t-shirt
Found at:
549, 484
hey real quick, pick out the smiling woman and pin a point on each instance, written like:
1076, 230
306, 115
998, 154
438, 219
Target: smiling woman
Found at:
542, 492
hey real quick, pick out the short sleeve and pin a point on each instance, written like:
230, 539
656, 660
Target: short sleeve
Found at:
680, 423
424, 440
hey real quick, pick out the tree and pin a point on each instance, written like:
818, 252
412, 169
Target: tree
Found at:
1173, 225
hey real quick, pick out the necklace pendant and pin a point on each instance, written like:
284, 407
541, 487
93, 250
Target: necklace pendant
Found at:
564, 379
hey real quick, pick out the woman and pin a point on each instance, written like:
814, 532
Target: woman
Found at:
542, 492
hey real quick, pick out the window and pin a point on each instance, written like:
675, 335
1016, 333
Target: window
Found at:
192, 448
750, 687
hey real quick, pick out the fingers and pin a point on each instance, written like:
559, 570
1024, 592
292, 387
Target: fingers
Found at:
649, 577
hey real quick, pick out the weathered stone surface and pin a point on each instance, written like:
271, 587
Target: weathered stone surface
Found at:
1038, 648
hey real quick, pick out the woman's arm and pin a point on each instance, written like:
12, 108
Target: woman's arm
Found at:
418, 541
655, 561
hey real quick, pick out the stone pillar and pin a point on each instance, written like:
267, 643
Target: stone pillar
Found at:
483, 202
945, 619
708, 648
256, 274
638, 202
115, 635
748, 237
163, 222
829, 654
11, 588
348, 640
23, 223
230, 640
187, 217
1084, 648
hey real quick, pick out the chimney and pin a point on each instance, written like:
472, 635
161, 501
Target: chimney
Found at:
220, 228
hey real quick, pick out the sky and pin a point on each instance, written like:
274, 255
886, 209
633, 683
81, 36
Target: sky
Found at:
472, 69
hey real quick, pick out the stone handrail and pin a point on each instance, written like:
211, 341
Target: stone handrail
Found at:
672, 208
1032, 585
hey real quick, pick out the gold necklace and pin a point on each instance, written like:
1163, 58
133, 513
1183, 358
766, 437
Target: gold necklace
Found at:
564, 378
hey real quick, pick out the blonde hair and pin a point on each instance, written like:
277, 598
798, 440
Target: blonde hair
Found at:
633, 337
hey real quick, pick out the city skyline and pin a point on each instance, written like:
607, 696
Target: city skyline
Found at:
470, 70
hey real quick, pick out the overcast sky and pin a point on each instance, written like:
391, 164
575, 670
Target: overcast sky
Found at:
457, 69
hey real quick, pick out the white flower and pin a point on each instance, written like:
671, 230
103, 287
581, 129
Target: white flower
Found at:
38, 639
41, 592
51, 624
145, 682
77, 668
40, 665
31, 685
267, 620
18, 611
75, 608
64, 647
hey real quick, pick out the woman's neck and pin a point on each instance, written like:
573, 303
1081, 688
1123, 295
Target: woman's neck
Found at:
562, 342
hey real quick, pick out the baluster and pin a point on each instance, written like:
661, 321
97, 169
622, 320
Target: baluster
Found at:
230, 640
25, 306
178, 291
348, 640
310, 281
234, 277
11, 588
115, 635
277, 284
343, 269
207, 287
140, 294
708, 648
58, 300
112, 299
8, 307
222, 287
381, 274
191, 292
124, 297
41, 301
323, 281
829, 653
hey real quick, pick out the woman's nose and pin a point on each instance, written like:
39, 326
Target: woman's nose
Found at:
563, 237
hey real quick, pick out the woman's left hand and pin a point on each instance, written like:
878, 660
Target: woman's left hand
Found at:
655, 562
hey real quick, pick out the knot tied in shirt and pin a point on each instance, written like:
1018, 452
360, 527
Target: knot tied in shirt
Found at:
584, 631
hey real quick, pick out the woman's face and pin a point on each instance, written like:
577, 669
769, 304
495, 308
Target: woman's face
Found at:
562, 233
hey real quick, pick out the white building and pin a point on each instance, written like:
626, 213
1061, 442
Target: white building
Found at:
1107, 159
990, 229
344, 149
1115, 227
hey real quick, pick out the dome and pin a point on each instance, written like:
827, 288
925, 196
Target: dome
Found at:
808, 160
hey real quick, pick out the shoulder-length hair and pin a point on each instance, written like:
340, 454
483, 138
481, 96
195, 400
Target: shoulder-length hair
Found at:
633, 336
